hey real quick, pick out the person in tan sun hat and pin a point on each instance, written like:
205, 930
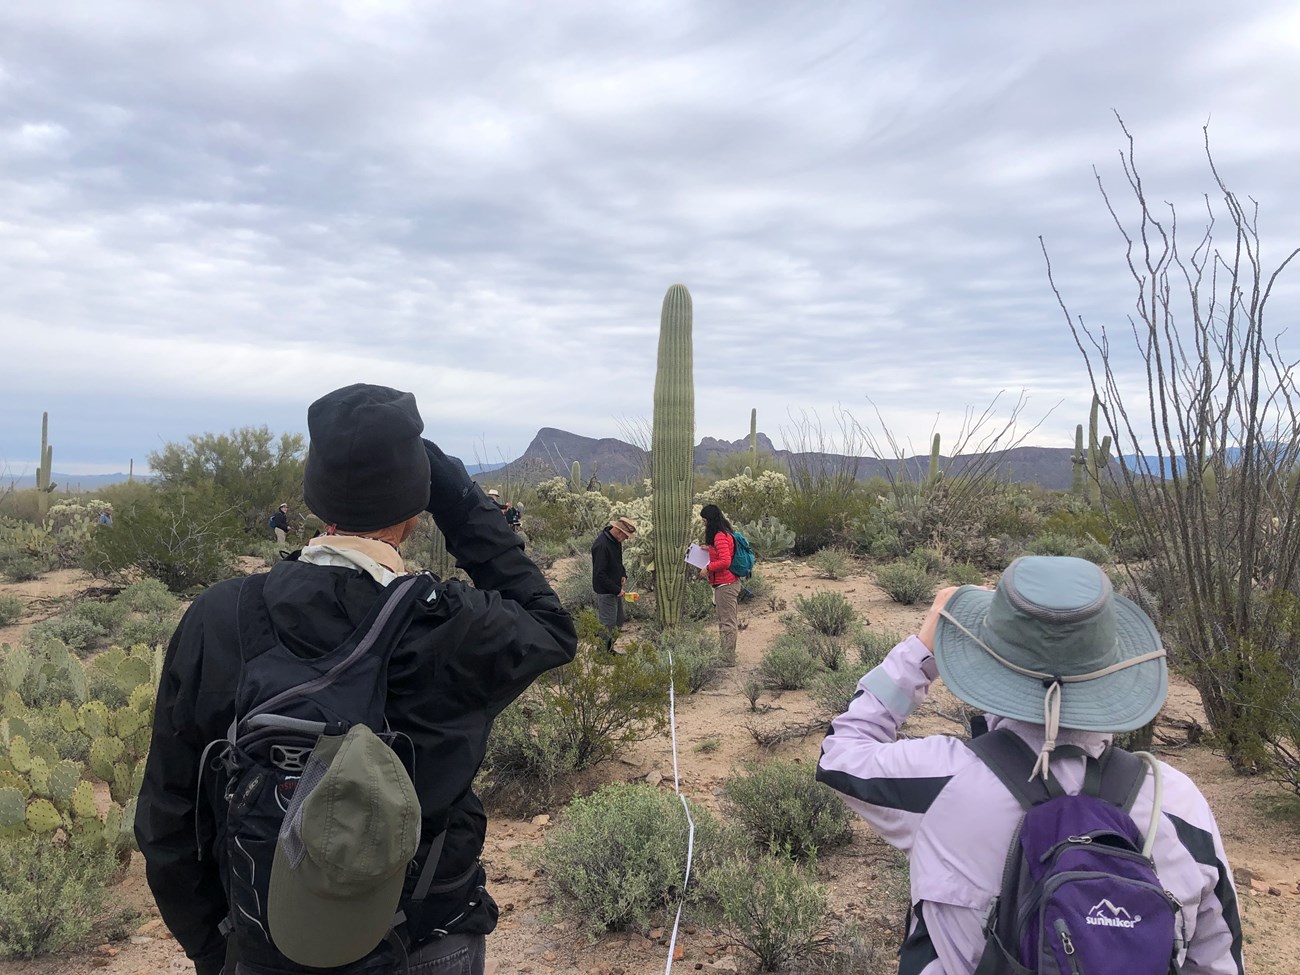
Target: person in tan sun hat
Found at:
1058, 663
609, 577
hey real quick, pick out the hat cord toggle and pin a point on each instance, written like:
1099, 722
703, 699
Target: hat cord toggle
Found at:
1052, 695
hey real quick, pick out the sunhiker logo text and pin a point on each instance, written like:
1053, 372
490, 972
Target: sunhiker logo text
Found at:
1109, 916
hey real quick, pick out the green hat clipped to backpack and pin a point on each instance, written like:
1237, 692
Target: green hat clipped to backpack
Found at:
349, 833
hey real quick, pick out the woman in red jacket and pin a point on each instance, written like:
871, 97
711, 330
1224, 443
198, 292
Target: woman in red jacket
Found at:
726, 587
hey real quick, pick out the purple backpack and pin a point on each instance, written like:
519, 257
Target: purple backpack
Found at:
1079, 895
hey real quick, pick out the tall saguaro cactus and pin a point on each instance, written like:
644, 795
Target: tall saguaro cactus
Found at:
1098, 454
932, 478
1078, 480
672, 453
575, 477
753, 439
43, 471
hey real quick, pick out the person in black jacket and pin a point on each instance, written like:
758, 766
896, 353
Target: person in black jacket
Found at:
280, 524
468, 653
609, 577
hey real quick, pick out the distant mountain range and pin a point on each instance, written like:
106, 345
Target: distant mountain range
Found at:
552, 453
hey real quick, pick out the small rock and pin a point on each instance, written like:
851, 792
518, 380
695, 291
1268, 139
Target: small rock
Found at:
653, 777
679, 953
654, 934
106, 950
141, 939
549, 956
1274, 892
1258, 886
542, 820
149, 927
691, 929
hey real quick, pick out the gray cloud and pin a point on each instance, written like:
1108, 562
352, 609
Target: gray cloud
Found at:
216, 212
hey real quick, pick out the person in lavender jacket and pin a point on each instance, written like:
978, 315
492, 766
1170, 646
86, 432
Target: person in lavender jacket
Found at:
1058, 658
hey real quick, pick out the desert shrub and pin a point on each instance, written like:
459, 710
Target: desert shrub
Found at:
873, 645
827, 612
786, 666
26, 551
748, 499
149, 630
617, 858
79, 634
50, 894
528, 758
11, 610
774, 908
1056, 543
904, 582
107, 614
875, 531
42, 671
832, 562
698, 604
829, 651
782, 807
1094, 551
186, 538
832, 691
697, 657
928, 560
768, 537
965, 574
574, 588
602, 702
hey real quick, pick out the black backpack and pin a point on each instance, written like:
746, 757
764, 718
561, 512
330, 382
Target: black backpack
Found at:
283, 704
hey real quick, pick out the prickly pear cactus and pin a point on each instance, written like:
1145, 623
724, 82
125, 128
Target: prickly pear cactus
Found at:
42, 818
64, 779
83, 801
20, 755
39, 776
13, 808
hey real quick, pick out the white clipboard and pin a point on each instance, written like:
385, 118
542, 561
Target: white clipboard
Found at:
696, 556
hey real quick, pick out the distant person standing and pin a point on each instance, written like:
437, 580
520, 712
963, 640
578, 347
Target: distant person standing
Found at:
719, 540
106, 517
609, 576
280, 525
508, 510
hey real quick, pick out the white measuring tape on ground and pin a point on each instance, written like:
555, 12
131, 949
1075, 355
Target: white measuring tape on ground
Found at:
690, 822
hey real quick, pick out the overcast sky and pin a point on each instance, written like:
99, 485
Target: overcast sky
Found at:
212, 213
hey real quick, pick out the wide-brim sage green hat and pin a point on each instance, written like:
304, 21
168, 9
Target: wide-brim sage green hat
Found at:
341, 858
1054, 645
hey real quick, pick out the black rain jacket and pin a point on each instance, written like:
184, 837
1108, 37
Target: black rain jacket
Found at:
607, 572
464, 658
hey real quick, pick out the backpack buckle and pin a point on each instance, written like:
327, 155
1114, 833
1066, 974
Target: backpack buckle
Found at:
290, 758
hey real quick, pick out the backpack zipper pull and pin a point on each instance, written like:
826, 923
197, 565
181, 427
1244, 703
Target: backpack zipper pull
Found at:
1067, 945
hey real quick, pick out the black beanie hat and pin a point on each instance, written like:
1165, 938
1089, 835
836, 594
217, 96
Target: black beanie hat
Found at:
366, 465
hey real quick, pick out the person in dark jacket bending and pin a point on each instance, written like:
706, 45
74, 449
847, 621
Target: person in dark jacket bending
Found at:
608, 576
468, 653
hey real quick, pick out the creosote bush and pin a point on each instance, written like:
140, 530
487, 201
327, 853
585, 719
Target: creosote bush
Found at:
616, 859
832, 562
827, 612
782, 807
874, 645
773, 907
50, 894
832, 691
905, 582
11, 610
697, 658
965, 574
786, 666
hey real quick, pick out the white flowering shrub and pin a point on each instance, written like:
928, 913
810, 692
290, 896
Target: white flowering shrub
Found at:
748, 499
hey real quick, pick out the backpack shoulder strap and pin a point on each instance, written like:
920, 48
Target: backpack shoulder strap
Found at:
1116, 777
1012, 761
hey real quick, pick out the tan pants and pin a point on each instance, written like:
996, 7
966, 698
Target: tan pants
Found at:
280, 537
725, 601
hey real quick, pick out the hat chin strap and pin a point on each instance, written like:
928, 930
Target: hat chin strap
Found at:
1052, 690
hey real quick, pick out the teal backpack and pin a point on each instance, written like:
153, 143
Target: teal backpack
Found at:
742, 558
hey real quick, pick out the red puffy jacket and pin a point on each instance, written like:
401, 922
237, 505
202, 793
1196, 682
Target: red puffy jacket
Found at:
721, 553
